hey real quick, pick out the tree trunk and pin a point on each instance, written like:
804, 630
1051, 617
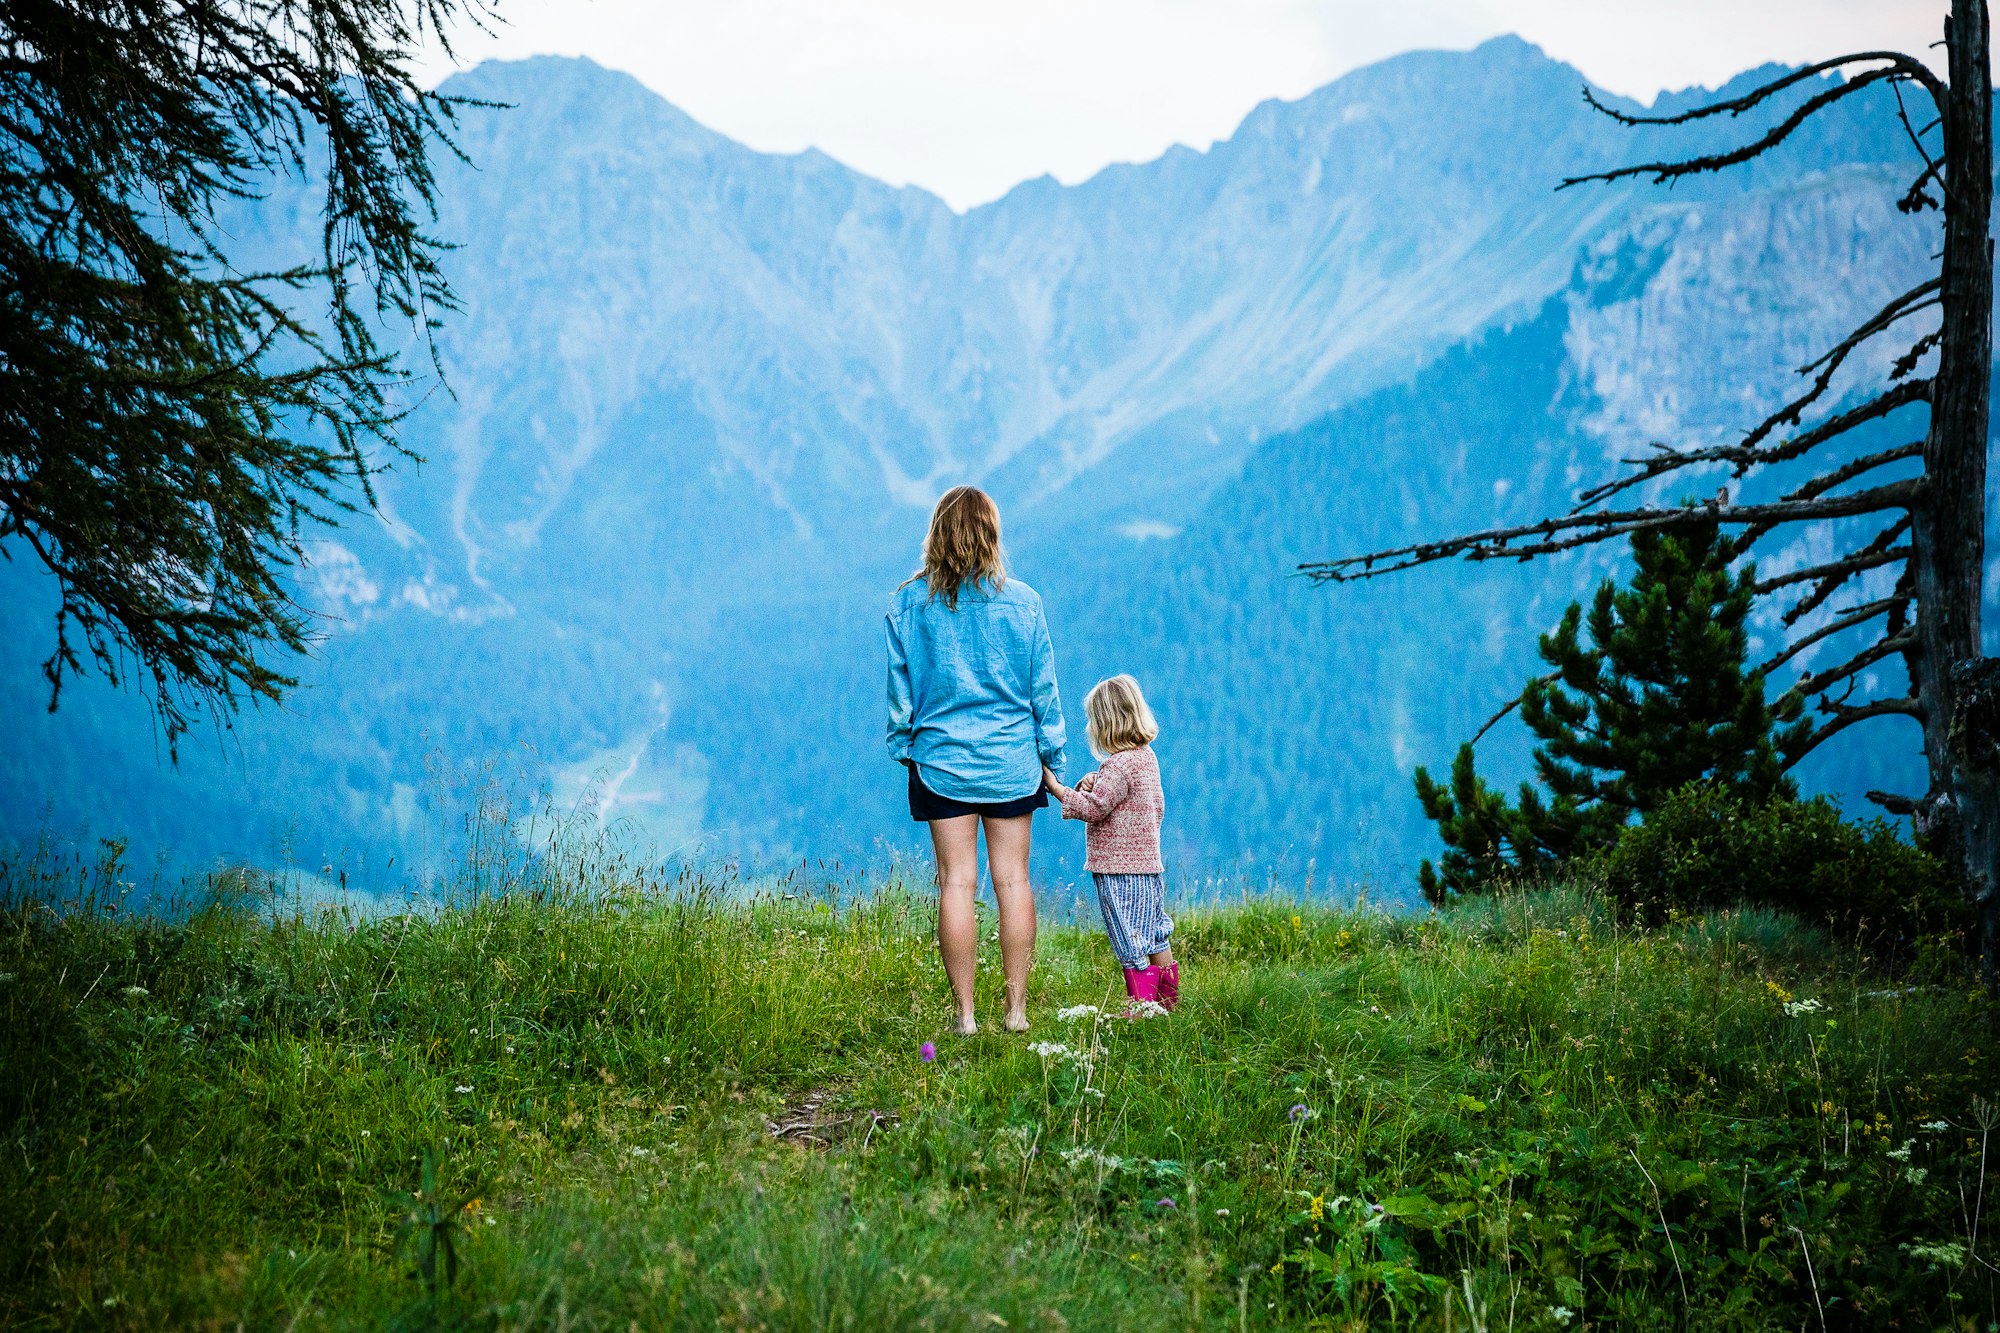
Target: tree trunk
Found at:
1948, 524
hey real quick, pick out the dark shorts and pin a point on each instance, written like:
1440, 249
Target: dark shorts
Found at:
926, 805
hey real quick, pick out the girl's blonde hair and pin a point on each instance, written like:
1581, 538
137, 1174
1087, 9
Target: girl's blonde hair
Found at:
963, 545
1116, 717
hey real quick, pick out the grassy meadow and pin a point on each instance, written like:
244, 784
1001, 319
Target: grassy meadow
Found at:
661, 1105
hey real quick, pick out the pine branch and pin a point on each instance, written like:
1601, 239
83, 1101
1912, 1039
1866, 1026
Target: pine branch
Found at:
168, 424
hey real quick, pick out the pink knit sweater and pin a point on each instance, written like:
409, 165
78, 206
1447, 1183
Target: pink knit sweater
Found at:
1124, 809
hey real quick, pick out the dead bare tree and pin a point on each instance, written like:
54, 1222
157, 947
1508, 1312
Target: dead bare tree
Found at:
1932, 523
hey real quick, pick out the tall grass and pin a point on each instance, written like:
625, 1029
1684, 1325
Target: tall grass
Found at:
1515, 1115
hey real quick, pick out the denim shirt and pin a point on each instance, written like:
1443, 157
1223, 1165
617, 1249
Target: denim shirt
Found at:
972, 691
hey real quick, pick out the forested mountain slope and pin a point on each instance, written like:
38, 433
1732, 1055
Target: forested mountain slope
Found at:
700, 398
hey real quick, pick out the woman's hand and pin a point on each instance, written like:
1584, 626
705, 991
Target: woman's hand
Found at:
1053, 783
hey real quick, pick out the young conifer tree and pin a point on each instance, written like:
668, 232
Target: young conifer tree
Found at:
1659, 698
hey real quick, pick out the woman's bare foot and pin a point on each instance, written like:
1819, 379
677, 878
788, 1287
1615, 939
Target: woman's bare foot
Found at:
1016, 1023
966, 1026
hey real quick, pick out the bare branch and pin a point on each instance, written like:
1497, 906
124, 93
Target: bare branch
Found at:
1846, 472
1850, 470
1589, 529
1513, 703
1917, 298
1907, 362
1858, 663
1876, 553
1894, 804
1914, 198
1746, 454
1845, 716
1854, 564
1662, 172
1736, 106
1859, 616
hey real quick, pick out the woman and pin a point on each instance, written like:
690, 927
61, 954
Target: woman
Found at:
974, 716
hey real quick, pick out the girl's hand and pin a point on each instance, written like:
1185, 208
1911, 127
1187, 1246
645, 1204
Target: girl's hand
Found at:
1086, 782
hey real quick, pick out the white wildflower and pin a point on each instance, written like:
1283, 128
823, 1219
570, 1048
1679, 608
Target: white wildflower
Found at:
1145, 1009
1562, 1314
137, 992
1799, 1008
1103, 1161
465, 1087
1948, 1253
1935, 1125
642, 1152
1902, 1154
1915, 1175
1222, 1212
1048, 1050
1076, 1012
364, 1133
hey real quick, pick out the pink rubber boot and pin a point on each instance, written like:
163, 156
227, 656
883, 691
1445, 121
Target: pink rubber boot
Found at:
1143, 983
1170, 984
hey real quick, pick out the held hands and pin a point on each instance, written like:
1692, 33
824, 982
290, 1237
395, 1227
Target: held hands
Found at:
1056, 788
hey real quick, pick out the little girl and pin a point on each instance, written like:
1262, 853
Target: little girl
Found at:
1123, 804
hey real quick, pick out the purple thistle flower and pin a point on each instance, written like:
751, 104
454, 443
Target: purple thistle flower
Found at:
1298, 1112
1166, 1203
927, 1052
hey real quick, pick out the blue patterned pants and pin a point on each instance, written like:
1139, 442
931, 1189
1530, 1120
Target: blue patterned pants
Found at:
1135, 915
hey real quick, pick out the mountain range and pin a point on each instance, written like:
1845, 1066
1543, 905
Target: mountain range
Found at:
699, 398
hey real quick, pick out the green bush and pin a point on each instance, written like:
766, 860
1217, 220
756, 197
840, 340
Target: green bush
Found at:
1707, 848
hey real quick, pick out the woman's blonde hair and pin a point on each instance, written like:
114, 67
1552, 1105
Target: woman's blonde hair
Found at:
963, 545
1116, 717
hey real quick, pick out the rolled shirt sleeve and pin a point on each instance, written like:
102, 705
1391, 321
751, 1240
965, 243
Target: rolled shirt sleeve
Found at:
900, 712
1050, 735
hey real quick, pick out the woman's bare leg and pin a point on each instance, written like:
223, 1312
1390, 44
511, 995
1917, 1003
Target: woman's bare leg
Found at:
1164, 958
1007, 862
956, 843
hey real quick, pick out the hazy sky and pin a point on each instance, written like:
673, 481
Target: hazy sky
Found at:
969, 97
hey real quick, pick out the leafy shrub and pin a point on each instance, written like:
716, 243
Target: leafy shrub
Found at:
1705, 847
